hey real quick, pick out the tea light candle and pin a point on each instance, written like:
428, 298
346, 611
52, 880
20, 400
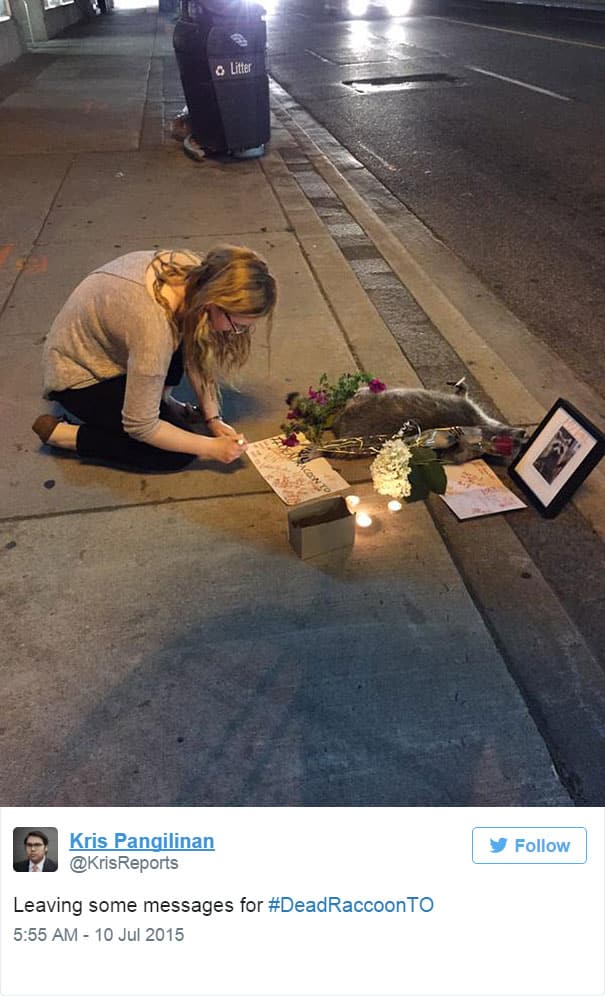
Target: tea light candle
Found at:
363, 519
394, 506
352, 501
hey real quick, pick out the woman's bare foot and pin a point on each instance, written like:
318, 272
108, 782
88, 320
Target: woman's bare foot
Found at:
54, 432
64, 436
182, 410
176, 408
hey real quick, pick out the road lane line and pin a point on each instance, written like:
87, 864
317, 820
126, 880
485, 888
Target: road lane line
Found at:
389, 166
317, 56
528, 86
510, 31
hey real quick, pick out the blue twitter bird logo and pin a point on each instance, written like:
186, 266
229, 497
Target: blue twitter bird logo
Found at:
498, 845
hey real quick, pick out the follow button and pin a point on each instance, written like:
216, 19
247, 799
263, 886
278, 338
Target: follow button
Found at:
530, 845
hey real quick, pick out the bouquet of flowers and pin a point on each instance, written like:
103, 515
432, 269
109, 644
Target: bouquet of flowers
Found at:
403, 467
314, 414
404, 470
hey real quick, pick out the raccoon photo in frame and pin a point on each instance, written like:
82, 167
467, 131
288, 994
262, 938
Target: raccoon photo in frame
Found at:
559, 455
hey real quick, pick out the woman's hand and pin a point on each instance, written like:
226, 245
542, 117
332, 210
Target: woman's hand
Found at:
221, 429
226, 448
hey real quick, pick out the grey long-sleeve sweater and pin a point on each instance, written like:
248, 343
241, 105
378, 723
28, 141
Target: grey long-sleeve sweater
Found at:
109, 326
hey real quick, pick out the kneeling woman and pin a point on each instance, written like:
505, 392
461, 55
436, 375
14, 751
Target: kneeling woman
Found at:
124, 338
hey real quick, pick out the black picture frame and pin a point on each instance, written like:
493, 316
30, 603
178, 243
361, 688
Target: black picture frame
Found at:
559, 455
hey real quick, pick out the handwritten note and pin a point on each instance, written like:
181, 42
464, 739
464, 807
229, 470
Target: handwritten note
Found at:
292, 482
473, 489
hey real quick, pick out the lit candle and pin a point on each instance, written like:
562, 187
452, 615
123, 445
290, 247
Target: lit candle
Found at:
352, 501
363, 519
394, 506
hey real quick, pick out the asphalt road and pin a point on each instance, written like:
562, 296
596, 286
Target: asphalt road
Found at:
501, 155
510, 179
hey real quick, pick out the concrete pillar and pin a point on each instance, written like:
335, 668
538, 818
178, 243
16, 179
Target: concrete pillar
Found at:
29, 15
12, 42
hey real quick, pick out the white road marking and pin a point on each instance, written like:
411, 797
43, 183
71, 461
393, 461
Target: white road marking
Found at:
317, 56
389, 166
528, 86
510, 31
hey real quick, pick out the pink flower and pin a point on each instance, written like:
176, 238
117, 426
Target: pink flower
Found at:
503, 445
293, 415
291, 440
321, 397
312, 394
376, 386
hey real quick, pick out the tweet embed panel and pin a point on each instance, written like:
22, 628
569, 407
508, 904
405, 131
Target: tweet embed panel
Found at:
298, 902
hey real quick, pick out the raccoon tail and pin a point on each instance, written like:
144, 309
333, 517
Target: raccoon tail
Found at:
459, 386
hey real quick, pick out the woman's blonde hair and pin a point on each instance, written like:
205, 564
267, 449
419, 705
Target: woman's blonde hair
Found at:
234, 279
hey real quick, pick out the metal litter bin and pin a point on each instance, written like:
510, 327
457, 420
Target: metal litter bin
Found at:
220, 47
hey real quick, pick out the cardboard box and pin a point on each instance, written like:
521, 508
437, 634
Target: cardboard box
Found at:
319, 526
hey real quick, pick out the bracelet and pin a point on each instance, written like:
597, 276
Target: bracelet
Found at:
214, 418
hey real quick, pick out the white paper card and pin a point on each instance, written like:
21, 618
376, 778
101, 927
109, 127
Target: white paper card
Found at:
293, 482
473, 489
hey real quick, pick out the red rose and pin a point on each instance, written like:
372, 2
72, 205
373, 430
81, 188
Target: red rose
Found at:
503, 445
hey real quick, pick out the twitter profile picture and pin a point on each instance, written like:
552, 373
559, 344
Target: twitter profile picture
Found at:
35, 849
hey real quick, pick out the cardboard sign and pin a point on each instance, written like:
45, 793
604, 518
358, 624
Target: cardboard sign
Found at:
294, 483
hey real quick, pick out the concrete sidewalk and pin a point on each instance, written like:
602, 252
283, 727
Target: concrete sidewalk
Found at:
162, 643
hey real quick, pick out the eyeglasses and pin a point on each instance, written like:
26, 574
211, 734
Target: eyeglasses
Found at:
236, 327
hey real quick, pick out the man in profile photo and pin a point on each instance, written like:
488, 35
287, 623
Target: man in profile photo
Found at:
36, 851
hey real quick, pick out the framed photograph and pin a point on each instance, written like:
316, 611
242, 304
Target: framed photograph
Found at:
561, 453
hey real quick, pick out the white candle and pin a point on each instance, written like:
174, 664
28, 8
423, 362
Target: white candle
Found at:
394, 506
352, 501
363, 519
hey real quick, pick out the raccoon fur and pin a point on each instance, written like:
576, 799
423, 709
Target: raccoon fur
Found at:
369, 414
384, 413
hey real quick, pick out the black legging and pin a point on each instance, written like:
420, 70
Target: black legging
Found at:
102, 437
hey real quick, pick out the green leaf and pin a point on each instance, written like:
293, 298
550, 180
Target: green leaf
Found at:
435, 477
422, 455
418, 483
426, 477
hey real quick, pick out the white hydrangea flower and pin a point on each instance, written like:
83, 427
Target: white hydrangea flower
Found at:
391, 469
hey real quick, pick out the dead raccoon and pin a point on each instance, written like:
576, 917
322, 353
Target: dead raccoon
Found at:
369, 414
